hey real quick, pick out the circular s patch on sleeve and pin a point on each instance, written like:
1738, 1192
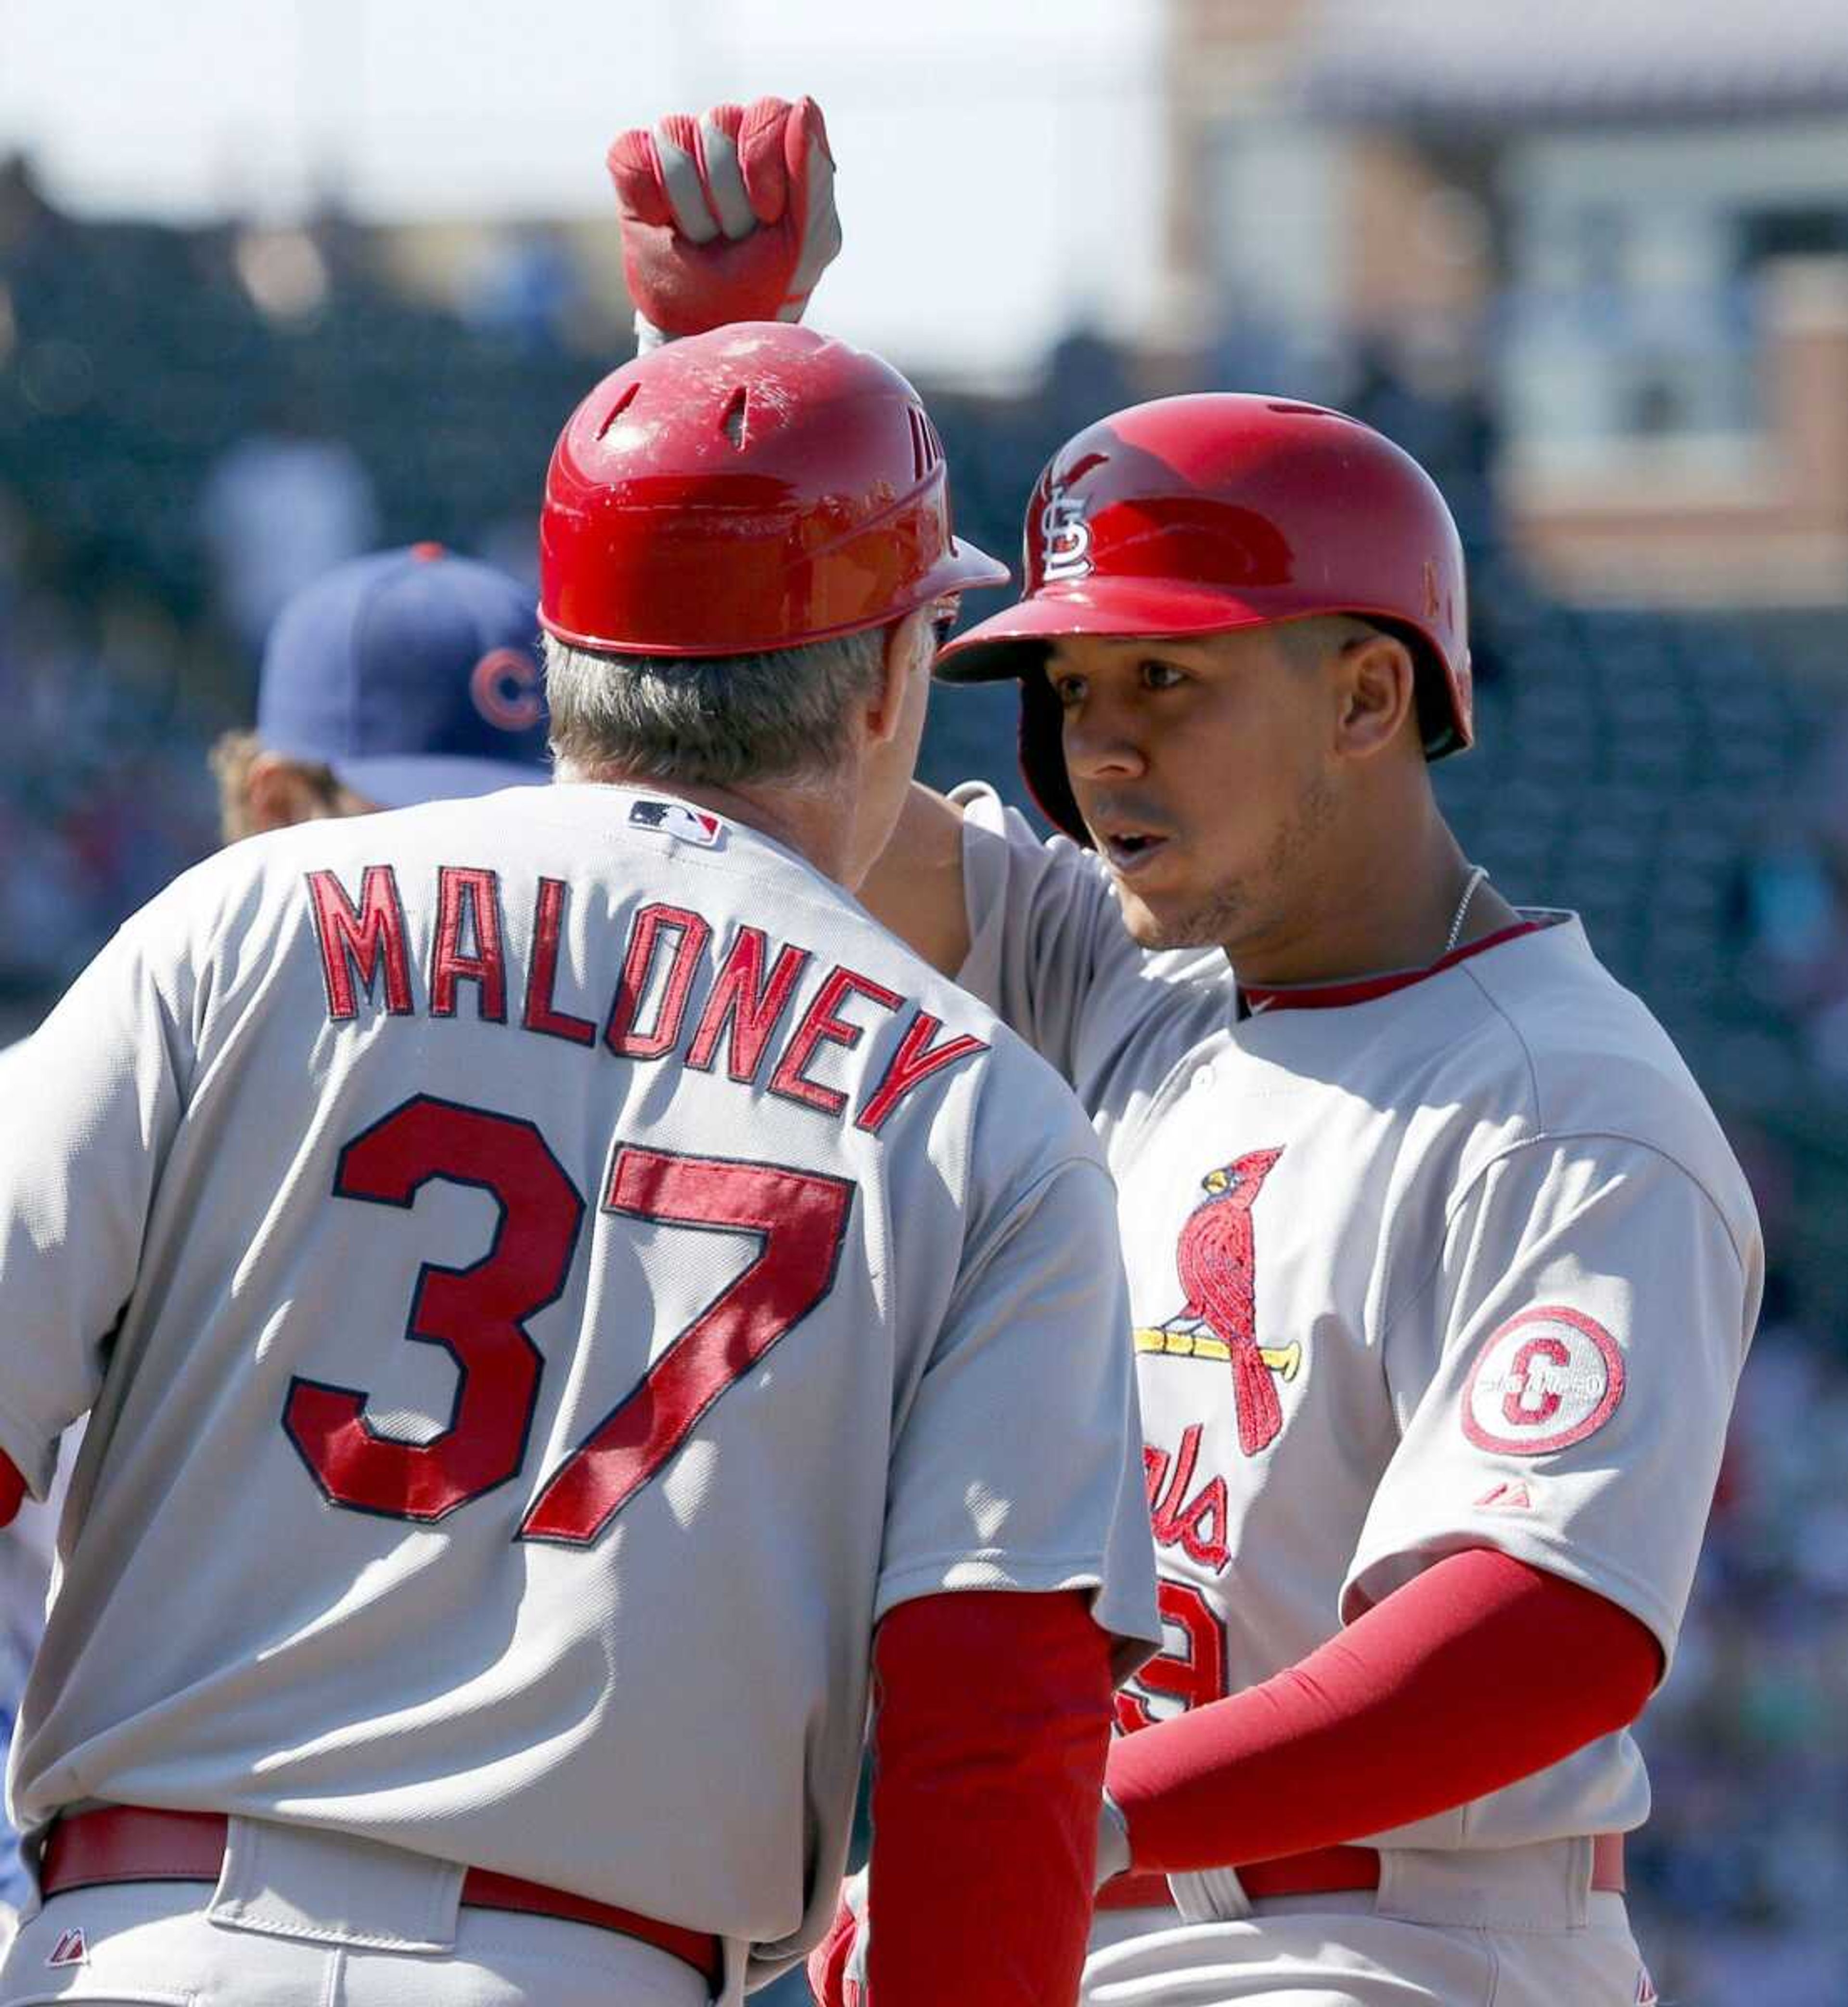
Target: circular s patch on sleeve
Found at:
1543, 1380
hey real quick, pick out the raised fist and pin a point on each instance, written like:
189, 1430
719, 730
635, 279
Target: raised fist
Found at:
728, 217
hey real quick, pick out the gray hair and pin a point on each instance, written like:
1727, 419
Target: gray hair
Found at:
778, 716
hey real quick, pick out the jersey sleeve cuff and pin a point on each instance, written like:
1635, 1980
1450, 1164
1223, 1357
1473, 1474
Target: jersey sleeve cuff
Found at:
1122, 1614
1374, 1576
26, 1448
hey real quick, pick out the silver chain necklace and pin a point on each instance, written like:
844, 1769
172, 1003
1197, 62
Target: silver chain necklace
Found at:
1477, 873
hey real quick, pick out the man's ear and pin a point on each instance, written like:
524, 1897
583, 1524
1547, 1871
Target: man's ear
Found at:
1378, 695
909, 645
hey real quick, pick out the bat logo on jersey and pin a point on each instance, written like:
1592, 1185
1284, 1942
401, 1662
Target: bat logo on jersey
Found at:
1543, 1380
1217, 1261
1066, 538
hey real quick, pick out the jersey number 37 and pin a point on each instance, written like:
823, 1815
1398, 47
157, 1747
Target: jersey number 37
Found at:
479, 1314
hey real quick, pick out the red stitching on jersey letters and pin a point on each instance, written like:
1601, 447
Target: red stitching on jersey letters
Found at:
1197, 1525
541, 1014
357, 941
691, 934
666, 959
819, 1024
468, 904
753, 1005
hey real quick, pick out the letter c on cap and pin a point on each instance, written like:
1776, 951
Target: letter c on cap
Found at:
504, 685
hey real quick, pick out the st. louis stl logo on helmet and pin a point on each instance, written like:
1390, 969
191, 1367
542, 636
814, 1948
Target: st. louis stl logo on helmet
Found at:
1543, 1380
1217, 1259
1065, 536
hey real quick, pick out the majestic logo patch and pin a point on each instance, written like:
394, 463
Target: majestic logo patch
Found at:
70, 1949
1546, 1380
1505, 1497
1217, 1260
676, 819
1065, 536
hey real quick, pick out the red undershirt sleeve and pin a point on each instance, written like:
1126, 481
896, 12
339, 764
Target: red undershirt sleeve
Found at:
13, 1489
1481, 1670
992, 1718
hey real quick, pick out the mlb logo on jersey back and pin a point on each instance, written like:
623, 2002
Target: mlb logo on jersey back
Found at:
676, 819
1543, 1380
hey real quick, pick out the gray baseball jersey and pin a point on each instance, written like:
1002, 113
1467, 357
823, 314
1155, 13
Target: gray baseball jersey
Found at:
1452, 1261
546, 1273
25, 1559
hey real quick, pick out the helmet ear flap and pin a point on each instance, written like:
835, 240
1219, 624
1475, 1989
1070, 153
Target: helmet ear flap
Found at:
1043, 756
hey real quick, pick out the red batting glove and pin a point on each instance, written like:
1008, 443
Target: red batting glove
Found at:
729, 218
837, 1965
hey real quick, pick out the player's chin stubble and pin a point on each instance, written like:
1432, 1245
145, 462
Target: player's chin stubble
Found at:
1217, 920
1254, 906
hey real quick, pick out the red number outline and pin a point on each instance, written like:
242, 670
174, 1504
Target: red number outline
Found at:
1197, 1680
801, 1219
497, 1366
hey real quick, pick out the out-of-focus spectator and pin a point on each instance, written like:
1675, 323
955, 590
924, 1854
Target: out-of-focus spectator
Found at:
526, 290
279, 508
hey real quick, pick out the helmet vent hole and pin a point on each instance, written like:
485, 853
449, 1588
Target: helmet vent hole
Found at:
927, 448
732, 423
1304, 412
615, 411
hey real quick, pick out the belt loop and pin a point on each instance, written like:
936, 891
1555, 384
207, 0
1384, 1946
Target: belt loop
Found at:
1214, 1896
1578, 1885
1545, 1886
326, 1888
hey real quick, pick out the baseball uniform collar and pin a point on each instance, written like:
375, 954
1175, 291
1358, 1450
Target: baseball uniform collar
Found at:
1365, 989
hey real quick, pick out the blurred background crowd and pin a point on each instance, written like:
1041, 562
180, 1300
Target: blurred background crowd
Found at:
1590, 266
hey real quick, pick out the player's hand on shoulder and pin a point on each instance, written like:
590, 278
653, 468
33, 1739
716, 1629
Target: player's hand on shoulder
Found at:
727, 217
837, 1965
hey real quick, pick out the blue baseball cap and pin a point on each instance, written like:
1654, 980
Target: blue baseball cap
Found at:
415, 674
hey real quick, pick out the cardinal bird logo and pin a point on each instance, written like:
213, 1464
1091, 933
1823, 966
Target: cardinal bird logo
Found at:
1218, 1268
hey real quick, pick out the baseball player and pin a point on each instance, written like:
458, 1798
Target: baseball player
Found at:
1442, 1272
562, 1300
406, 676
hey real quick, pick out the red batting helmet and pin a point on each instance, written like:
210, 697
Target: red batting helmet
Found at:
1197, 515
754, 488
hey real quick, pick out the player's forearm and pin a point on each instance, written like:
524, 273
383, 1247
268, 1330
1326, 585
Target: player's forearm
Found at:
1479, 1672
993, 1722
916, 889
